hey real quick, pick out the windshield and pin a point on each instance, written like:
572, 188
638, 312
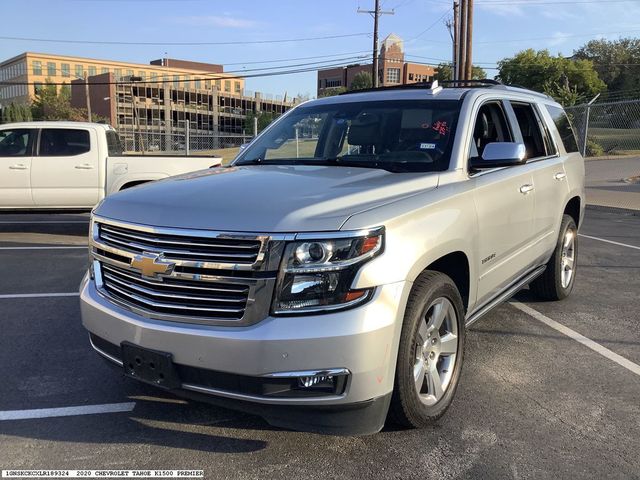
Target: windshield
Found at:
406, 135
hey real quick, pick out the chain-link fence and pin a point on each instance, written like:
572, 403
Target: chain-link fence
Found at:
220, 145
611, 128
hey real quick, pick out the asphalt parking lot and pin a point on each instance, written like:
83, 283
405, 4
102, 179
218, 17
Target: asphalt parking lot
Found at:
536, 399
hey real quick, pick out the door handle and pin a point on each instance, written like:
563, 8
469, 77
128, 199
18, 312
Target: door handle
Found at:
560, 176
526, 188
85, 166
18, 166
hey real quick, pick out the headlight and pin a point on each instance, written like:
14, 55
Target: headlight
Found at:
317, 274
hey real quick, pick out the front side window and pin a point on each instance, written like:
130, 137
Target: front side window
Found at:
15, 143
564, 128
532, 136
399, 136
490, 126
63, 142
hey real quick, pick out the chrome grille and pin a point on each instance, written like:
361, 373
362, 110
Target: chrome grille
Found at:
223, 250
213, 278
176, 297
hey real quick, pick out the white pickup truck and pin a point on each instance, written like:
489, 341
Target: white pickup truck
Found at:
75, 165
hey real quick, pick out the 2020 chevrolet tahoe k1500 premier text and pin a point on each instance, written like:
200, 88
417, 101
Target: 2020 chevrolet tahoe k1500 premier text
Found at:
326, 278
56, 165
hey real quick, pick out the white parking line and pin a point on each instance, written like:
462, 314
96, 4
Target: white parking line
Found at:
596, 347
67, 411
84, 247
38, 295
608, 241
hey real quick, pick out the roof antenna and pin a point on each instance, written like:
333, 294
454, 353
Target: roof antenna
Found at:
435, 88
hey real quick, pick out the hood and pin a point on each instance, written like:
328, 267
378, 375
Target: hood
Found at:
263, 198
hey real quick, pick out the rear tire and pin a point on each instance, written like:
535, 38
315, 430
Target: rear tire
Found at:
557, 280
431, 351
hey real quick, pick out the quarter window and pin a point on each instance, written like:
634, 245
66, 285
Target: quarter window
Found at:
63, 142
564, 128
15, 143
114, 146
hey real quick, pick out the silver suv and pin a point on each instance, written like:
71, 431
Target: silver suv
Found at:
326, 278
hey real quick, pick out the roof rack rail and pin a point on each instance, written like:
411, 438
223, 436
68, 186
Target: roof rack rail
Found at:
479, 81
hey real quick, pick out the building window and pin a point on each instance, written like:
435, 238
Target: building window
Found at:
218, 84
198, 83
37, 87
51, 69
411, 76
393, 75
142, 75
65, 69
37, 67
92, 71
176, 81
227, 85
187, 81
333, 83
79, 71
207, 84
104, 70
154, 77
238, 87
129, 73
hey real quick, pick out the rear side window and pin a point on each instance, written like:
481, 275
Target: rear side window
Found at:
114, 145
532, 136
564, 128
15, 143
63, 142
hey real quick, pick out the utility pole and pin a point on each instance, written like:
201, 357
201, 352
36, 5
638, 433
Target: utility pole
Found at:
87, 97
376, 16
452, 26
469, 48
462, 40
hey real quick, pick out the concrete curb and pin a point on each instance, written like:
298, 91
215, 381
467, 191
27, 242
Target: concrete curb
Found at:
604, 208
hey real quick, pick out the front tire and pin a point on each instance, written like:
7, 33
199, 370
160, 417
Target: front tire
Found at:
431, 351
556, 283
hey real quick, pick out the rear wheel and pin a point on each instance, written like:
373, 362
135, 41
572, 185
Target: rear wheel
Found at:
557, 280
431, 351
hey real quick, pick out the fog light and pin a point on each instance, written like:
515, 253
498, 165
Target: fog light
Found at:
309, 382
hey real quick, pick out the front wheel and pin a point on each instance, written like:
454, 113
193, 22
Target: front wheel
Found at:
430, 353
557, 280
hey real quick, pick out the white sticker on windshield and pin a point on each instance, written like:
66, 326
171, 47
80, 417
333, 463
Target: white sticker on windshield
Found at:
427, 146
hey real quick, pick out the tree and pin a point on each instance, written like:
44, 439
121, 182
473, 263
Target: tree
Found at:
443, 72
565, 79
53, 104
361, 81
617, 62
331, 91
264, 119
16, 112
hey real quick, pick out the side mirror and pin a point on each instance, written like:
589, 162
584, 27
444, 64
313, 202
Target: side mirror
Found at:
500, 154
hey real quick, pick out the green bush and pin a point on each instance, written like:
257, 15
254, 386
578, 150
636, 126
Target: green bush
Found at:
594, 149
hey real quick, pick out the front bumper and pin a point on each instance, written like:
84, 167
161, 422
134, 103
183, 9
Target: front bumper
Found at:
363, 341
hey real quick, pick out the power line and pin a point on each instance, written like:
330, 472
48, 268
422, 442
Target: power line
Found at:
298, 58
560, 2
557, 37
245, 42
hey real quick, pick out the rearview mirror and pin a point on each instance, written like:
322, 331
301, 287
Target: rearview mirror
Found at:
500, 154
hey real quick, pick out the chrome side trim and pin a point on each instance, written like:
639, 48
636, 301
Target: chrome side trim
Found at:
505, 295
310, 373
105, 354
259, 399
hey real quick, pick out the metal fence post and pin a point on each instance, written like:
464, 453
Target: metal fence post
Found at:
186, 139
586, 125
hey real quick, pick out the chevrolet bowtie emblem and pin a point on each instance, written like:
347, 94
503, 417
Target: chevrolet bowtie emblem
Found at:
152, 264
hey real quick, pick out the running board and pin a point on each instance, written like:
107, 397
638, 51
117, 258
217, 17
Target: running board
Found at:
505, 295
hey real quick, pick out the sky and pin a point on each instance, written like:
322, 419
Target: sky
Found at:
501, 29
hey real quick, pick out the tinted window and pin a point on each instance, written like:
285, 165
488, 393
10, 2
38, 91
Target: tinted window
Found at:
532, 136
564, 128
15, 143
490, 126
63, 142
113, 144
